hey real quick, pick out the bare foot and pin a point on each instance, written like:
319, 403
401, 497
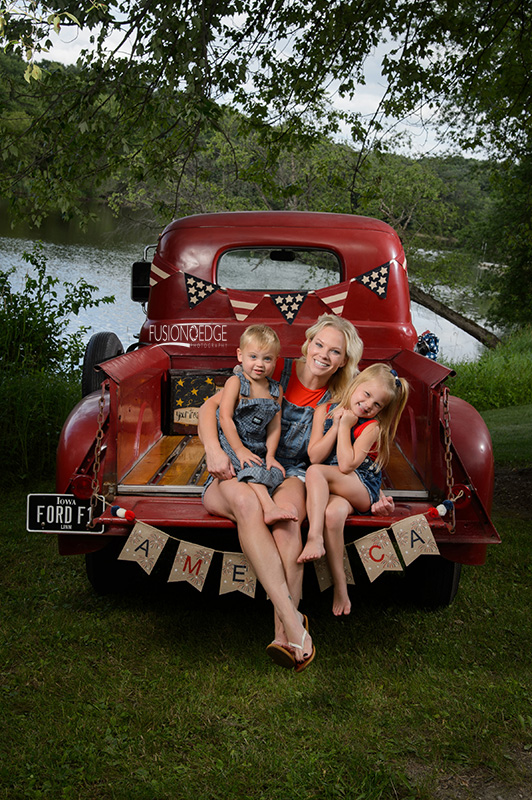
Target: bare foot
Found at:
276, 514
313, 550
304, 652
341, 602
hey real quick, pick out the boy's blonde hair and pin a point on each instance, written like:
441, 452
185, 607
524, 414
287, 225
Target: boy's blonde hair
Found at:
388, 417
263, 336
353, 349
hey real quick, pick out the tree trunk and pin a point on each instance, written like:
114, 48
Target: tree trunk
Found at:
477, 331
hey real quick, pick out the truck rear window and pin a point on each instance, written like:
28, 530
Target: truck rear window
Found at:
270, 269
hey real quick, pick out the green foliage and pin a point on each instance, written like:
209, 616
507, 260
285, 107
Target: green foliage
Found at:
39, 365
33, 407
34, 321
511, 242
500, 378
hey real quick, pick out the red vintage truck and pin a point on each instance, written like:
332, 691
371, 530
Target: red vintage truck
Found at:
130, 447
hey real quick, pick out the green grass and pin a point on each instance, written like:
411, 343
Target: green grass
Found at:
171, 696
511, 434
500, 378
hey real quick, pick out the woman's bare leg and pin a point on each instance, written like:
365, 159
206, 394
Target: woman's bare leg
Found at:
238, 502
287, 536
336, 514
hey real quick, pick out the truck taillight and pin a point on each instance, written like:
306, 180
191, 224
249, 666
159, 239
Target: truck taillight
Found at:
82, 487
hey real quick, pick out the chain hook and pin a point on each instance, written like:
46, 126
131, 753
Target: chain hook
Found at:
448, 455
97, 452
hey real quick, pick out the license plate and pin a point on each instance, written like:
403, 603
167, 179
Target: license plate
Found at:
61, 513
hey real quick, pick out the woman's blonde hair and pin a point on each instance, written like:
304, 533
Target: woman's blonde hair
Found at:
388, 417
353, 350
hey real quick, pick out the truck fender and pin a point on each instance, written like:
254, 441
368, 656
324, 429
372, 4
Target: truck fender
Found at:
472, 441
77, 437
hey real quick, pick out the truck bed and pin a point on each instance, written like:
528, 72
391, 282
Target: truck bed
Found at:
175, 465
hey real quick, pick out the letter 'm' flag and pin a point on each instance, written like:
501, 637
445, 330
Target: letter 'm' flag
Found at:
191, 564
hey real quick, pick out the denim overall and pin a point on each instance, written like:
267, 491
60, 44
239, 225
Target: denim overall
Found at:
296, 425
252, 417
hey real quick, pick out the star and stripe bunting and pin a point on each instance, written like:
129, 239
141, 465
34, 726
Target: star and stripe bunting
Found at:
243, 303
335, 296
376, 280
198, 289
158, 274
288, 303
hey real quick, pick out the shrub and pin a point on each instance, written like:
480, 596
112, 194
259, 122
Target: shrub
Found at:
34, 322
501, 378
39, 366
33, 408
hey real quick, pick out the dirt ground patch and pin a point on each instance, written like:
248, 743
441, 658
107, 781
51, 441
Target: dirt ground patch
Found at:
481, 784
513, 490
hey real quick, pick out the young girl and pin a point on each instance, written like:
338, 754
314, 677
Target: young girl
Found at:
347, 477
249, 418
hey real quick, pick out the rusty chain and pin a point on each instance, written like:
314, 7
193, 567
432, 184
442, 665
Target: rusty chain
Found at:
97, 454
448, 454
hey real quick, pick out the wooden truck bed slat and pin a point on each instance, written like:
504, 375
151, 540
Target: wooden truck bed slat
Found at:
185, 466
152, 462
176, 464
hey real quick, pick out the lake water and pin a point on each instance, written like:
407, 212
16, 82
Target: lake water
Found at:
105, 261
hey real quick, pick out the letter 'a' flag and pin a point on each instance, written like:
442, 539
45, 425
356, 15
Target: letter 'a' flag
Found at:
414, 538
191, 564
144, 545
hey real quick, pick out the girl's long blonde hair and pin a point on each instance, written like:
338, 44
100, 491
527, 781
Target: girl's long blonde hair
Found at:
388, 417
353, 349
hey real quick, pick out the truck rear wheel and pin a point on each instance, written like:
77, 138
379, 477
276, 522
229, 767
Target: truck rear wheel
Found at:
107, 575
432, 581
101, 347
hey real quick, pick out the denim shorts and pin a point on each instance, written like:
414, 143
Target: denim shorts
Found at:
371, 477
